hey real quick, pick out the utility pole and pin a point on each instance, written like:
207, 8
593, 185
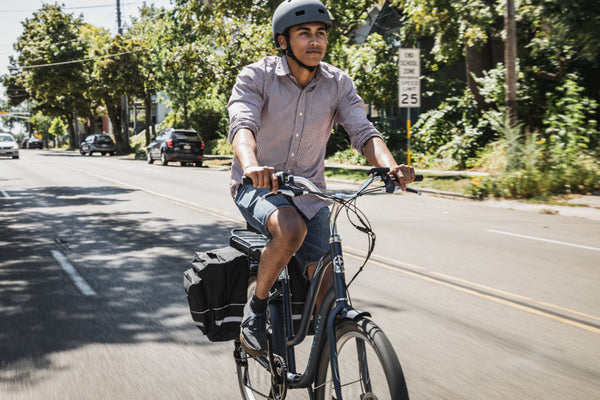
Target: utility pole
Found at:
510, 63
119, 17
124, 99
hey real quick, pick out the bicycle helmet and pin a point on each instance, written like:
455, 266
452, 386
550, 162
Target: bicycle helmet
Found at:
294, 12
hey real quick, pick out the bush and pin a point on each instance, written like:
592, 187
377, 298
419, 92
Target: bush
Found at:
532, 169
220, 147
348, 156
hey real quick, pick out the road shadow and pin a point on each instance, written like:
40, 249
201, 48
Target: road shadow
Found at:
132, 259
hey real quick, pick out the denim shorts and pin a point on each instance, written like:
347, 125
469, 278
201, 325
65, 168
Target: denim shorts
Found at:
256, 209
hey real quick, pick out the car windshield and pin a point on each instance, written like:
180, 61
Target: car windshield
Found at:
104, 139
6, 138
187, 136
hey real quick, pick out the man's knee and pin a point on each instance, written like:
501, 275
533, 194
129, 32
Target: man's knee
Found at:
286, 225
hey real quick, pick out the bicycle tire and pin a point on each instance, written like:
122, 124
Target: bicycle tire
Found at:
253, 378
386, 379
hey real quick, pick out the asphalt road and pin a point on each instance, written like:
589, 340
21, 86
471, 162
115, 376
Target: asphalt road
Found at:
479, 302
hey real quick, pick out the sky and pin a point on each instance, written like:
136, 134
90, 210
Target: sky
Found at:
101, 13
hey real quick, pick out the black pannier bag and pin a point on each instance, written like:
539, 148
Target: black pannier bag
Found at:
216, 287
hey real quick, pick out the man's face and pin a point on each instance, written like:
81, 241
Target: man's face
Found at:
308, 42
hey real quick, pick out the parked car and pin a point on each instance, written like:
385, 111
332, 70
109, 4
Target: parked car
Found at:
33, 143
185, 146
98, 143
8, 145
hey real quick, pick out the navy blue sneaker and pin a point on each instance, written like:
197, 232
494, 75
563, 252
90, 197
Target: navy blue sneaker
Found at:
253, 333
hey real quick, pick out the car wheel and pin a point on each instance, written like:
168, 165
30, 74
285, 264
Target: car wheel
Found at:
15, 157
163, 159
82, 152
149, 158
103, 153
198, 163
183, 163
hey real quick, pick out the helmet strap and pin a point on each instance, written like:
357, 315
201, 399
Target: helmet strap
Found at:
288, 52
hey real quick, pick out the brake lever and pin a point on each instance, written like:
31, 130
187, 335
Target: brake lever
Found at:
413, 190
390, 185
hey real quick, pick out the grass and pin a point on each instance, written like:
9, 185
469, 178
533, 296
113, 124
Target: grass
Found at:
442, 182
453, 182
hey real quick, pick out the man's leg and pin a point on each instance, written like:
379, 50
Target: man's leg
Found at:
287, 230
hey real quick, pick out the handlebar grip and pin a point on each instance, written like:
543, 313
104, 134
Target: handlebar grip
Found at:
418, 177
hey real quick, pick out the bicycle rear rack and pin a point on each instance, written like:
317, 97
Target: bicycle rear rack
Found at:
247, 241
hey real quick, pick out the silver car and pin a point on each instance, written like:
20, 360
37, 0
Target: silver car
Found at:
8, 146
97, 144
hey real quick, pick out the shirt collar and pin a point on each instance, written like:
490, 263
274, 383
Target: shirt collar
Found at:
283, 69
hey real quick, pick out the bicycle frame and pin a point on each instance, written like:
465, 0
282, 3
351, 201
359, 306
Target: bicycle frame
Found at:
335, 306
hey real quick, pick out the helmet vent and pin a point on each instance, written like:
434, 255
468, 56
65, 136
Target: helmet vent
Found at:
321, 11
301, 12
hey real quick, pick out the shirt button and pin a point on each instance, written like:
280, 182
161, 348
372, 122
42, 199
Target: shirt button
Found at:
292, 154
300, 114
297, 134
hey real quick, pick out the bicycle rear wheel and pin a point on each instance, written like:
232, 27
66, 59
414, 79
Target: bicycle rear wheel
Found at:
368, 366
254, 377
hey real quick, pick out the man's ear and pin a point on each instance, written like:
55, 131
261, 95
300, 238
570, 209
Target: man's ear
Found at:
282, 42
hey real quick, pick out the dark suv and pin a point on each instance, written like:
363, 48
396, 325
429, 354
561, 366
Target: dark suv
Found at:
97, 144
185, 146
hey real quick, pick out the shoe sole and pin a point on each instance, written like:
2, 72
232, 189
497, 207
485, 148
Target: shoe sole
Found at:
249, 349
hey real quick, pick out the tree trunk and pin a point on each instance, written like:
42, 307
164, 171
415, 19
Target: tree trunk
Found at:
71, 127
125, 148
113, 108
147, 116
477, 60
510, 63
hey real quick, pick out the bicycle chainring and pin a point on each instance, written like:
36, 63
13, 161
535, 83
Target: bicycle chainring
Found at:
278, 376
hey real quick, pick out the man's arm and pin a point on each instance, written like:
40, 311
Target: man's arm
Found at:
378, 154
244, 147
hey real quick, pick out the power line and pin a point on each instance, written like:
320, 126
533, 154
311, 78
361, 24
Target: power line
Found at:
75, 7
82, 60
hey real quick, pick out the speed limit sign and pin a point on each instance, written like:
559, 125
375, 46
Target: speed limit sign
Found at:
409, 72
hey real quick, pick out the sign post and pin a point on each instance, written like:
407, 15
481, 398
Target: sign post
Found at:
409, 86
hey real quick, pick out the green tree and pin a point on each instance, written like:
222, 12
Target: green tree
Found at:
46, 50
118, 73
144, 31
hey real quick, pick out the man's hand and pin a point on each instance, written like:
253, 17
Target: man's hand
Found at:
262, 177
404, 175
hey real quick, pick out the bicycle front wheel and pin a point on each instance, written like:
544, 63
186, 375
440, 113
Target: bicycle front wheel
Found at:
368, 366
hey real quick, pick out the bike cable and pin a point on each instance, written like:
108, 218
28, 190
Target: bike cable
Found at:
362, 225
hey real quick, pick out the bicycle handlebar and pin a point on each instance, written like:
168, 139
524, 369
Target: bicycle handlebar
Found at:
287, 184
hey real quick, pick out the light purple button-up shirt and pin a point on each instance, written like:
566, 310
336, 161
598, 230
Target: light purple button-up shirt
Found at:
292, 124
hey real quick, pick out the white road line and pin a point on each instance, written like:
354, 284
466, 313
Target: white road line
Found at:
5, 194
544, 240
81, 284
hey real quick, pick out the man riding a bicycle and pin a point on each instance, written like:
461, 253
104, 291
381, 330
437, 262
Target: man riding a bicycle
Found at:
282, 111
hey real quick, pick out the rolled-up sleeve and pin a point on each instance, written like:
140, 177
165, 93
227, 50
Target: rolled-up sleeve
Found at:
246, 101
352, 116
